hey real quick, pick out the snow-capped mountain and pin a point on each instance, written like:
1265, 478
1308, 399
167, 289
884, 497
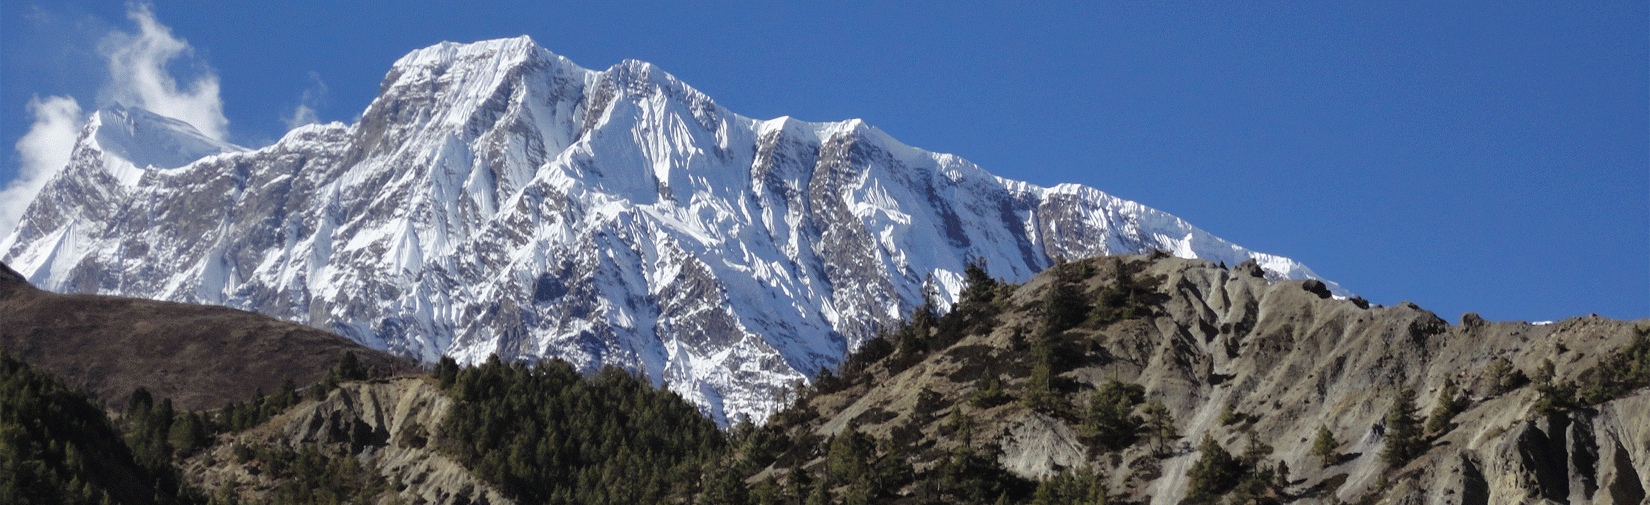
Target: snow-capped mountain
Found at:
497, 198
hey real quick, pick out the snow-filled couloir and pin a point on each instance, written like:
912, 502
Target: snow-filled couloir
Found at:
497, 199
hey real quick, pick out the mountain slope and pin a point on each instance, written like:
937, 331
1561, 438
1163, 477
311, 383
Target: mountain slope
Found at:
498, 199
200, 356
1553, 412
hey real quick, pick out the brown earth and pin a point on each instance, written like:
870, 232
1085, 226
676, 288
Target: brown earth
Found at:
1289, 359
200, 356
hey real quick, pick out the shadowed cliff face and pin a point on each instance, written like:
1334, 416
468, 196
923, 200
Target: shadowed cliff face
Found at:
1287, 359
199, 356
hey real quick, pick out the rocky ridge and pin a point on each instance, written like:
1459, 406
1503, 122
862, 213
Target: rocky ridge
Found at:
1244, 361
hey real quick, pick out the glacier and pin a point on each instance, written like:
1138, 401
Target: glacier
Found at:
496, 198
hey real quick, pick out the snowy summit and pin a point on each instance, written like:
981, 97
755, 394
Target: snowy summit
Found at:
498, 199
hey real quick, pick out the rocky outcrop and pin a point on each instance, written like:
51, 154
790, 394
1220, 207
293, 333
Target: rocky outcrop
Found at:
387, 425
1287, 359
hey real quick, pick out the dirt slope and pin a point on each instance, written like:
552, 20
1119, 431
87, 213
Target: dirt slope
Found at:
200, 356
1287, 358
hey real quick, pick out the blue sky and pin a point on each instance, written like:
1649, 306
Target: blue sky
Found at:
1466, 156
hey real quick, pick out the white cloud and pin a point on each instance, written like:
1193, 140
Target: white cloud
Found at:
313, 98
44, 151
139, 74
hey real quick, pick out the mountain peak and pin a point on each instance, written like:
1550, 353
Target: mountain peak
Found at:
497, 52
147, 140
498, 199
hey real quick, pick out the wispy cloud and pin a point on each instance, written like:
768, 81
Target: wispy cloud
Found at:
43, 151
140, 74
313, 98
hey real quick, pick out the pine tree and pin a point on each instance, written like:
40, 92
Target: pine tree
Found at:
1109, 418
1215, 473
1324, 445
1404, 438
1445, 410
1159, 424
978, 286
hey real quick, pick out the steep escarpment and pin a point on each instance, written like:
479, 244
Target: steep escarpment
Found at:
1166, 379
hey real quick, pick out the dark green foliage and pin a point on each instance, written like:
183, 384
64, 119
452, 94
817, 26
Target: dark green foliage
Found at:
308, 476
1229, 415
239, 416
349, 368
1064, 305
57, 446
1109, 420
1505, 378
1072, 486
724, 486
978, 286
1248, 479
1214, 474
148, 428
988, 392
960, 426
1323, 446
1555, 396
446, 372
545, 434
1159, 425
1124, 298
1039, 390
968, 476
1404, 438
1448, 405
871, 351
848, 458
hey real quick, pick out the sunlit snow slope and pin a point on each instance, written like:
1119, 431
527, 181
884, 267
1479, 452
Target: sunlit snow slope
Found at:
498, 199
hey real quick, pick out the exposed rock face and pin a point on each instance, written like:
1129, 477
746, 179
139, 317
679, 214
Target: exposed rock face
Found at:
497, 198
1288, 360
387, 425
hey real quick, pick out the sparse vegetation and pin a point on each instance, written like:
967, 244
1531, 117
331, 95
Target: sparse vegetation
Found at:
1622, 371
1504, 377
